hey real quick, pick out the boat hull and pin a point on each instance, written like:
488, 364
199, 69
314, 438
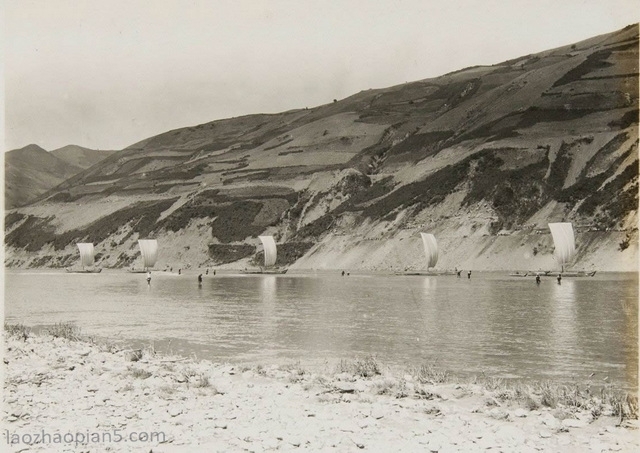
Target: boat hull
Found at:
427, 274
266, 271
85, 271
530, 274
552, 274
577, 274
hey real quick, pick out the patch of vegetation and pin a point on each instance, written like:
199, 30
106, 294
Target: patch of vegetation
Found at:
316, 228
604, 153
426, 192
234, 221
611, 197
430, 374
419, 146
375, 190
586, 185
293, 151
65, 197
628, 119
141, 217
36, 232
507, 125
32, 234
624, 244
40, 261
354, 183
560, 167
454, 93
295, 211
65, 330
179, 172
514, 193
19, 331
181, 217
228, 253
12, 218
593, 62
279, 144
366, 368
367, 160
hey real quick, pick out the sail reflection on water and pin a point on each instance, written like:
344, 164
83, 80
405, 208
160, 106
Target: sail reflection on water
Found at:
429, 285
564, 335
268, 307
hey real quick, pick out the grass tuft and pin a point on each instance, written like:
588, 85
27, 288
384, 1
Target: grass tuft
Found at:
430, 374
139, 373
65, 330
19, 331
366, 368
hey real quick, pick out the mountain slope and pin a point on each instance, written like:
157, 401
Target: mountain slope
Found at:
30, 171
80, 156
483, 158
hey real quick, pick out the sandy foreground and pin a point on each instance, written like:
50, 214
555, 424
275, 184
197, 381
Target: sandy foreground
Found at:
88, 397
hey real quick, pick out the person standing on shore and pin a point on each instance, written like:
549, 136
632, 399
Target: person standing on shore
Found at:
149, 278
200, 280
469, 275
538, 279
559, 279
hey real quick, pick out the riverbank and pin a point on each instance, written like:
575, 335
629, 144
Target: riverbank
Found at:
61, 383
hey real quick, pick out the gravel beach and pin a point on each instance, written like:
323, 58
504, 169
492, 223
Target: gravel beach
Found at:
79, 395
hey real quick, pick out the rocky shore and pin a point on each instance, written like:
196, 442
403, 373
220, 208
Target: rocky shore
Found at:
80, 395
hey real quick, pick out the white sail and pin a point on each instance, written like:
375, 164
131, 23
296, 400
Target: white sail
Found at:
270, 250
564, 242
149, 251
430, 249
86, 253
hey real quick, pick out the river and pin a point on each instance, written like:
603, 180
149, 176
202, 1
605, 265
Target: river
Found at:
492, 323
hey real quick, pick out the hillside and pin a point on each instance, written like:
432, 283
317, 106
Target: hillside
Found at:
80, 156
483, 158
31, 171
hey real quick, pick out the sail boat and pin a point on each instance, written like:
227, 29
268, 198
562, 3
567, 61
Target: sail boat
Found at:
430, 245
149, 252
430, 249
565, 247
87, 258
270, 257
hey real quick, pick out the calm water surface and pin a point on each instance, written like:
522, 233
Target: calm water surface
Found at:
502, 326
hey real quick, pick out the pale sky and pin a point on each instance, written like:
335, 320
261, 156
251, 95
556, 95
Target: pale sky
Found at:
106, 74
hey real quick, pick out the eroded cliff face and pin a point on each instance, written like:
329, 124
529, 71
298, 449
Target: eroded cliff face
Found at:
483, 158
